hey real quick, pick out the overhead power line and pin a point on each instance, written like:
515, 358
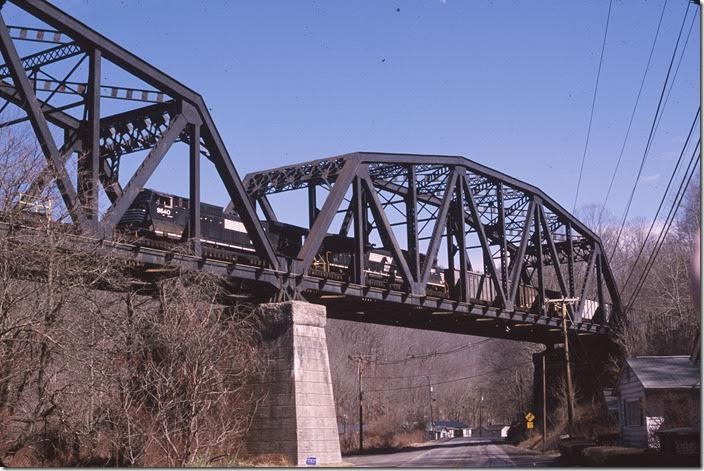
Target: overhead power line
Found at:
633, 113
591, 114
677, 69
664, 197
455, 370
426, 355
425, 385
651, 134
667, 97
666, 228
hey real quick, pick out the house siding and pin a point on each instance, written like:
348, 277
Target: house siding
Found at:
630, 389
690, 416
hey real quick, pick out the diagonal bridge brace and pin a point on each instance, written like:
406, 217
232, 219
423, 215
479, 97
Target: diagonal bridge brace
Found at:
209, 142
39, 125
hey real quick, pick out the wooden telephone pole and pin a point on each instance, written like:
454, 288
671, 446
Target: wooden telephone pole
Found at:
430, 403
568, 372
545, 399
360, 359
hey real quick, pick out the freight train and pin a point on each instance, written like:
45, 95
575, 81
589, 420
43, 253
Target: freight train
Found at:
158, 220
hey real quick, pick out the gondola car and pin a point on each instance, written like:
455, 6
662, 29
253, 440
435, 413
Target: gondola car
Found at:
335, 260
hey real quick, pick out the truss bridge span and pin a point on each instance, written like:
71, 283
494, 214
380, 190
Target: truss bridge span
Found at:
422, 241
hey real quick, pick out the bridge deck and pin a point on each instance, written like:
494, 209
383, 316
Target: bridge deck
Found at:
353, 302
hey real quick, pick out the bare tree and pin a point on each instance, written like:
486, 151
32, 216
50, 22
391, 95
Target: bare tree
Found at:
99, 365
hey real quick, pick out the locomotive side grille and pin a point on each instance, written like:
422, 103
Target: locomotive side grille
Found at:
134, 216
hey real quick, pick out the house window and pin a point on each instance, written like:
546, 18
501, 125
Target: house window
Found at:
634, 413
623, 411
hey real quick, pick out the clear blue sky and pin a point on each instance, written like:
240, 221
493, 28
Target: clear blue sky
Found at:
506, 83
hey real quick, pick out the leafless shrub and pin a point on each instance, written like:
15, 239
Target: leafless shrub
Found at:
99, 367
190, 362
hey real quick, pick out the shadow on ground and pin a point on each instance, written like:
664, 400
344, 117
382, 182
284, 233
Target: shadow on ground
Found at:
429, 446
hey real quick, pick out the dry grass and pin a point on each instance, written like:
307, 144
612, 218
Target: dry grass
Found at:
271, 460
589, 422
386, 441
536, 442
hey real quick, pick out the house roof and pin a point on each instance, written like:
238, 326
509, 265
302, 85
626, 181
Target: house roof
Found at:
665, 372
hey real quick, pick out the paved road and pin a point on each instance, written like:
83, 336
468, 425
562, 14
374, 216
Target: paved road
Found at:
457, 452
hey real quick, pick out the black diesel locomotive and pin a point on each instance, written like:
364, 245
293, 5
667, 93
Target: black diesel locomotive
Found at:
158, 219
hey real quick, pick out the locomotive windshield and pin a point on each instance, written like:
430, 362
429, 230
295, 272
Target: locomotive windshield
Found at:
166, 201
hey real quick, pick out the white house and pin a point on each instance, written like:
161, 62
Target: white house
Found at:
449, 429
656, 393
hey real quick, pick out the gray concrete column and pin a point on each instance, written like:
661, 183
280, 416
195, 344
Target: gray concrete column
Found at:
296, 417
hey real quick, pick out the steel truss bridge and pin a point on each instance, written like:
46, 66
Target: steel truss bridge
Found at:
507, 246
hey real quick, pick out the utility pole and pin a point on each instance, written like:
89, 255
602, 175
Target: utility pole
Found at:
545, 399
481, 402
568, 373
519, 387
430, 403
361, 410
360, 359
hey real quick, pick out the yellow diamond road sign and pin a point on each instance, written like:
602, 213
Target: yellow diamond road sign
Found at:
530, 417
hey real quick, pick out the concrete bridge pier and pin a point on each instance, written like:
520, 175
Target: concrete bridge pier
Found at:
296, 417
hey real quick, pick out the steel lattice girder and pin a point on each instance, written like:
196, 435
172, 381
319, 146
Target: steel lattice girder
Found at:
101, 141
451, 195
43, 58
526, 227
